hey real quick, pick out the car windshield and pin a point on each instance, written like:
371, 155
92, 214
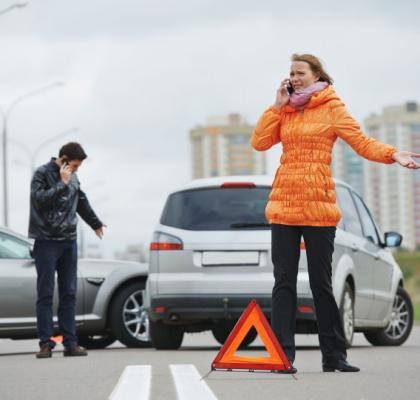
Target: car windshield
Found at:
217, 209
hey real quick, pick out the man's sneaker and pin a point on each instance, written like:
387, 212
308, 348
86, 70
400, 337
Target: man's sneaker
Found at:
75, 351
44, 352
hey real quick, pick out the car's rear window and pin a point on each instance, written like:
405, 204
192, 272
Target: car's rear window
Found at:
217, 209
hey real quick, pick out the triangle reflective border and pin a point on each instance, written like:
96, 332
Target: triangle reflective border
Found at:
252, 317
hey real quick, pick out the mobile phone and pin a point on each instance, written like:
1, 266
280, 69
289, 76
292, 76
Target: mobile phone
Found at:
65, 163
290, 88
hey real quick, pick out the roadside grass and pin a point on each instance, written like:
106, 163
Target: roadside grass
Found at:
417, 312
410, 266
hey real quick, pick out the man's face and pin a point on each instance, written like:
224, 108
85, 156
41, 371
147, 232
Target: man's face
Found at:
74, 165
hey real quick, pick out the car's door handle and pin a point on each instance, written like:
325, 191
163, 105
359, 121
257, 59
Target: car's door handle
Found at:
354, 247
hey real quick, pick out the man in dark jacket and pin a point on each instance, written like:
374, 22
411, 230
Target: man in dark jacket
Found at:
56, 198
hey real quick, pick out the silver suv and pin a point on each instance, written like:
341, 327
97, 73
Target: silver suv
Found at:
210, 255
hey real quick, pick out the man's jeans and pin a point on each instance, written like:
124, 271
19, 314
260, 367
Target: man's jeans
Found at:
61, 256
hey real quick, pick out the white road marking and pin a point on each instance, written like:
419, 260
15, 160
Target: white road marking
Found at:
134, 383
188, 384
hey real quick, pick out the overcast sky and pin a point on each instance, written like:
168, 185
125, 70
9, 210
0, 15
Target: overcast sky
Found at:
140, 74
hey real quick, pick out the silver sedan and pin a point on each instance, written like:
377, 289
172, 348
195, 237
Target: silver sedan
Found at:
109, 297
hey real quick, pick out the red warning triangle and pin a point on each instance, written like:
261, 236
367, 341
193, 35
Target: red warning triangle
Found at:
252, 317
57, 339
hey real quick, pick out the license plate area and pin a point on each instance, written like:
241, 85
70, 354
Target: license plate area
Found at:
218, 258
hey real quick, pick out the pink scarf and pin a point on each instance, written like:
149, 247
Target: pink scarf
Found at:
301, 96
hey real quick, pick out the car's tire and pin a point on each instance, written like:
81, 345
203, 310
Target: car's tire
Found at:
129, 321
164, 336
95, 341
347, 314
222, 330
399, 328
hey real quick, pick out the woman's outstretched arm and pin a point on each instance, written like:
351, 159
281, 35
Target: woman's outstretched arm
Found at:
349, 130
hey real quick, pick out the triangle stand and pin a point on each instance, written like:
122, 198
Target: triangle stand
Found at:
252, 317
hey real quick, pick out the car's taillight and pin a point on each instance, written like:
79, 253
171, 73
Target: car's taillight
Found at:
162, 241
165, 246
306, 310
238, 185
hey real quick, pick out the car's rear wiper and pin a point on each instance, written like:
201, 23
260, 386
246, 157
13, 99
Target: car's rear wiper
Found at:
250, 225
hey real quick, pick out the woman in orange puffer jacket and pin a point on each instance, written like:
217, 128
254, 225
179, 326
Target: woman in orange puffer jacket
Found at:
307, 118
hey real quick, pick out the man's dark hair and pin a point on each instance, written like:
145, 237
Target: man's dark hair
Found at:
73, 151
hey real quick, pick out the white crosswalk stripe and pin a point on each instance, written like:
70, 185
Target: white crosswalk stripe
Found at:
188, 384
134, 383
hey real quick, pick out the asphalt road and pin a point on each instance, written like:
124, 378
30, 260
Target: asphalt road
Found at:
118, 373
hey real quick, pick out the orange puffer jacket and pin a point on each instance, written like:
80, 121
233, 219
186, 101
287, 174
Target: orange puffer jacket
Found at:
303, 189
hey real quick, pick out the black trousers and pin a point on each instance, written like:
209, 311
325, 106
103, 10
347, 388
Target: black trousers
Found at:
285, 252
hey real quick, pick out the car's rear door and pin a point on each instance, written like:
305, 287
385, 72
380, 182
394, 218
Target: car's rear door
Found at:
359, 251
380, 262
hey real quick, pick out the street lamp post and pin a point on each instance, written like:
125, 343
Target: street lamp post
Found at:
6, 114
16, 5
33, 153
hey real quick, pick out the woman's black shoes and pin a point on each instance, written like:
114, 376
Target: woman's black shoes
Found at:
339, 365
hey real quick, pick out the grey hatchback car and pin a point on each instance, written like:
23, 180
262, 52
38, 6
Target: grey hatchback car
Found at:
109, 297
210, 255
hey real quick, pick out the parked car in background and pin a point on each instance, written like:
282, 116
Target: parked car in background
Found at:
109, 297
210, 255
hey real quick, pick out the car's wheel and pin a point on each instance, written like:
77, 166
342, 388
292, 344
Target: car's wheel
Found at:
165, 337
129, 321
95, 341
222, 329
347, 314
400, 325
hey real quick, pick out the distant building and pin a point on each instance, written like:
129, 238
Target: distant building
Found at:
133, 252
393, 192
347, 165
222, 147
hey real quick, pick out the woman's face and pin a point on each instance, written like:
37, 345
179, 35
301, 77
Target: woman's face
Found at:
301, 75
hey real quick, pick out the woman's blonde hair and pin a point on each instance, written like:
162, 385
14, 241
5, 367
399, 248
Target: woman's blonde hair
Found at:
315, 65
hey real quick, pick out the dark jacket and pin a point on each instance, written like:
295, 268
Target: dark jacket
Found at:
54, 205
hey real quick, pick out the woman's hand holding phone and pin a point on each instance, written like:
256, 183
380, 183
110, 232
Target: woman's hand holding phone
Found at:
283, 95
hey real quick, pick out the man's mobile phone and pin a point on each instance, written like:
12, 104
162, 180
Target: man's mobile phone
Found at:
65, 163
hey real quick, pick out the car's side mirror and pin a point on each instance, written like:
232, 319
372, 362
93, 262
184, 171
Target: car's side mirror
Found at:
393, 239
31, 252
